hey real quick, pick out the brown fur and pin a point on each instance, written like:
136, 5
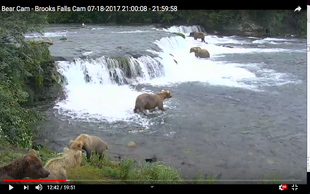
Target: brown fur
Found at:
28, 165
197, 35
58, 166
89, 143
199, 52
151, 101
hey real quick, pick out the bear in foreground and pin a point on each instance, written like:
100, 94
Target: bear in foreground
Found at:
199, 52
28, 165
89, 143
58, 166
151, 101
197, 35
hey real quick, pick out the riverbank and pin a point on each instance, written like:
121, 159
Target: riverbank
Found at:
117, 170
108, 170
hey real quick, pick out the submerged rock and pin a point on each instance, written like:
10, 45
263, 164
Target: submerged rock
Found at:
131, 144
63, 38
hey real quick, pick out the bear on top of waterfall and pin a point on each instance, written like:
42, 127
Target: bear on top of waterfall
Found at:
151, 101
28, 165
89, 143
58, 166
199, 52
200, 35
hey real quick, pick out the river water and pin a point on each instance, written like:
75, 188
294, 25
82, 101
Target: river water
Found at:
240, 114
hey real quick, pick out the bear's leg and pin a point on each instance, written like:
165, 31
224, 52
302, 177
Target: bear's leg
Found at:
152, 110
202, 39
195, 38
141, 110
161, 106
63, 174
101, 156
88, 154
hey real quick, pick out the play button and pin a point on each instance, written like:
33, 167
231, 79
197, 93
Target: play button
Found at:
10, 187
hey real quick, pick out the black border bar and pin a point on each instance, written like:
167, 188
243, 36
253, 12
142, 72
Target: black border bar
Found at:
182, 5
212, 188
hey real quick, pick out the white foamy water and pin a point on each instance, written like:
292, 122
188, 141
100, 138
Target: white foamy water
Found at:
48, 34
103, 99
94, 101
132, 31
182, 29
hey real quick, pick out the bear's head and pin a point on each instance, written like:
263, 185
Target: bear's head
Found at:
77, 145
192, 34
33, 166
194, 49
165, 94
77, 154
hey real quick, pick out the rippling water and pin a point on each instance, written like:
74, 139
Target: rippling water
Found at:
241, 113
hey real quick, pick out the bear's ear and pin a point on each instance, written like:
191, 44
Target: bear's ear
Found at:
168, 91
79, 145
70, 142
32, 151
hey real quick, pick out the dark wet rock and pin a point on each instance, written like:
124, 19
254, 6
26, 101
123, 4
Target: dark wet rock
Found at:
63, 38
228, 46
58, 58
44, 86
150, 160
117, 157
175, 61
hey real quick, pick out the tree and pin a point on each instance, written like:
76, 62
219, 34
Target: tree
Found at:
17, 60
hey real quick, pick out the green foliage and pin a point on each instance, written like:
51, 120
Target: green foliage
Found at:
18, 61
209, 19
39, 80
125, 171
179, 34
301, 25
198, 179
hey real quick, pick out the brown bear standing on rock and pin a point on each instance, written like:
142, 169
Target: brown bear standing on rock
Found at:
151, 101
28, 165
58, 166
200, 35
89, 143
199, 52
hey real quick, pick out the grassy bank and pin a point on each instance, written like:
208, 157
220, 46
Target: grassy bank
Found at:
125, 171
107, 170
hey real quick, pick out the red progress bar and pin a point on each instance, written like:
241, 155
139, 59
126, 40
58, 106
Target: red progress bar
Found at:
33, 180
